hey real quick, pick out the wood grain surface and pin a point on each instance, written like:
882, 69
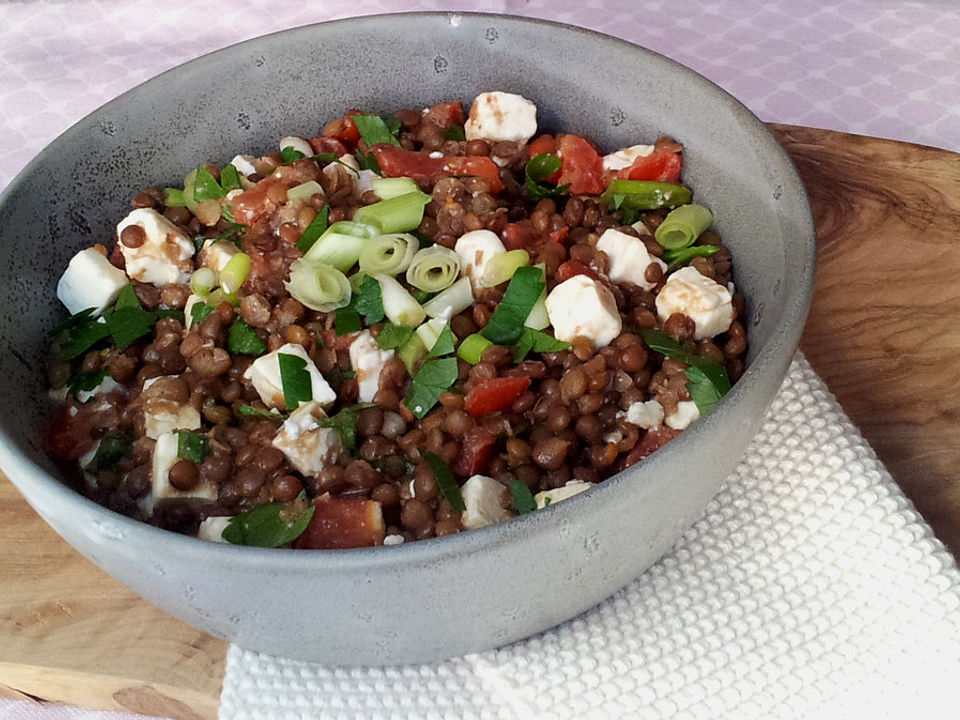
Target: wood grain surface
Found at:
882, 332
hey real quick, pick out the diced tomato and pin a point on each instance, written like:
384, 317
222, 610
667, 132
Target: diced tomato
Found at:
339, 523
560, 234
582, 166
425, 170
543, 144
69, 435
476, 449
660, 166
574, 267
518, 236
494, 394
250, 205
344, 129
652, 440
328, 145
445, 115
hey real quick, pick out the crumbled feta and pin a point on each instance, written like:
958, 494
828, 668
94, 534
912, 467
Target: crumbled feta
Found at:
164, 416
106, 385
393, 540
501, 116
298, 144
483, 497
582, 306
216, 254
475, 249
164, 257
244, 164
212, 528
647, 414
307, 445
90, 281
368, 361
708, 303
625, 157
264, 374
552, 497
348, 162
686, 412
628, 258
436, 155
164, 458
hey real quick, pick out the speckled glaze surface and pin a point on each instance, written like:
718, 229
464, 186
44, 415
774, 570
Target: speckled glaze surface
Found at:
476, 590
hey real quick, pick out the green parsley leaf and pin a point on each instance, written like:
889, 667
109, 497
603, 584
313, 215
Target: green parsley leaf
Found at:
289, 155
523, 500
705, 372
234, 234
393, 336
295, 380
445, 481
112, 449
127, 298
268, 525
85, 381
199, 312
443, 345
348, 374
81, 336
538, 169
173, 197
205, 186
368, 300
506, 324
368, 162
345, 423
316, 228
72, 321
128, 324
702, 389
192, 446
255, 412
230, 178
536, 341
455, 132
676, 258
347, 320
435, 376
243, 339
374, 130
325, 158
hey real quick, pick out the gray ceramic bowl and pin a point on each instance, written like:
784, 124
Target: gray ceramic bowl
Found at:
439, 598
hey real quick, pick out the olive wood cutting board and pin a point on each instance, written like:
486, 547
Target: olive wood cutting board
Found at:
882, 333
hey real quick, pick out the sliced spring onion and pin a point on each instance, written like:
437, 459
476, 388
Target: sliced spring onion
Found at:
472, 347
501, 267
390, 254
341, 243
639, 195
318, 285
230, 178
682, 226
402, 213
304, 191
430, 331
189, 183
452, 301
235, 272
172, 197
398, 304
538, 318
412, 352
386, 188
220, 295
203, 281
434, 268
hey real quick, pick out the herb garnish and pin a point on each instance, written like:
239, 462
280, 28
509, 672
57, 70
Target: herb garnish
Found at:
205, 186
445, 481
435, 377
347, 320
345, 423
85, 381
230, 178
373, 129
255, 412
676, 258
443, 345
538, 169
199, 312
394, 336
243, 339
707, 381
506, 324
367, 300
523, 500
536, 341
192, 446
269, 525
295, 380
455, 132
289, 154
112, 449
316, 228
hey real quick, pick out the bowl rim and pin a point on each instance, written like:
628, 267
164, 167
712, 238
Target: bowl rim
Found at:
46, 487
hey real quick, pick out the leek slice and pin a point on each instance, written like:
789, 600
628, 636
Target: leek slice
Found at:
402, 213
501, 267
452, 301
318, 285
430, 331
203, 281
189, 186
682, 226
235, 273
398, 304
304, 191
434, 268
390, 254
392, 187
341, 243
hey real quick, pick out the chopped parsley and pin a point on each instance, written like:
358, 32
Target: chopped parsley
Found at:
434, 378
707, 381
538, 169
269, 525
289, 154
506, 324
192, 446
112, 449
243, 339
445, 481
523, 500
313, 231
536, 341
205, 186
374, 130
295, 380
345, 423
393, 336
443, 345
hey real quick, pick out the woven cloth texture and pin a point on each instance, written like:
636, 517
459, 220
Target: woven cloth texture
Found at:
810, 588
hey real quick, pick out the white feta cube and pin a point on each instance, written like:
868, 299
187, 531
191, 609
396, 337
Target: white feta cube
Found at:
686, 412
307, 446
625, 157
164, 416
483, 497
475, 249
552, 497
216, 254
244, 164
501, 116
368, 361
647, 414
164, 257
211, 529
628, 258
264, 375
298, 144
582, 306
90, 281
108, 384
708, 303
164, 458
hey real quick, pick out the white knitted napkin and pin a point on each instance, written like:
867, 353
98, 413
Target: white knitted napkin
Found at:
810, 588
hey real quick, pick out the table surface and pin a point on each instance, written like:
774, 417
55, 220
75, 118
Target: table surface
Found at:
880, 329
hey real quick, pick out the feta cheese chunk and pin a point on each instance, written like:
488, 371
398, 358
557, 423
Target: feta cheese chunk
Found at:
709, 304
165, 416
216, 254
582, 306
298, 144
212, 528
628, 258
552, 497
106, 385
483, 497
90, 281
647, 414
164, 256
368, 361
164, 458
686, 412
244, 164
264, 374
624, 157
307, 445
501, 116
475, 249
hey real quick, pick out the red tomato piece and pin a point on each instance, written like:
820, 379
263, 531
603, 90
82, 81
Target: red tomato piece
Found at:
651, 441
328, 145
339, 523
582, 166
476, 449
482, 167
517, 236
344, 129
69, 435
560, 234
574, 267
445, 115
250, 205
659, 166
543, 144
494, 394
425, 170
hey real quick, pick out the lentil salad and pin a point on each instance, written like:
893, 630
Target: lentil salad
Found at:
400, 329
